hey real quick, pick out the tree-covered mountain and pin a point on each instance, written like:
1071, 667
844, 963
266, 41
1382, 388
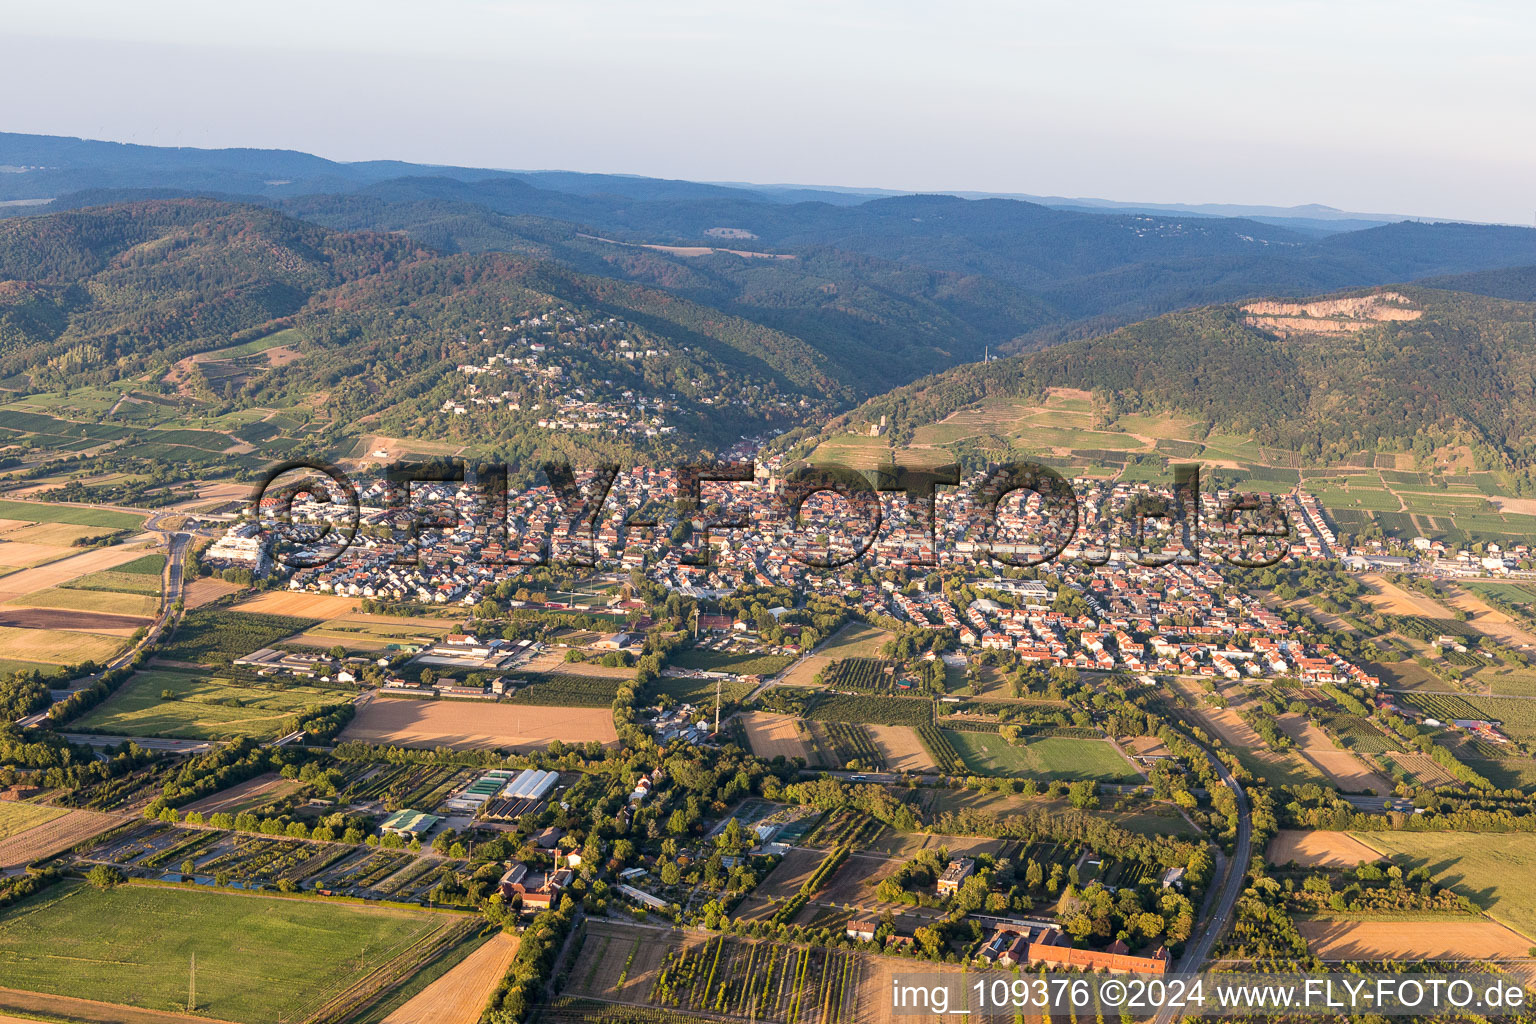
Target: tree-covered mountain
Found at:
1406, 370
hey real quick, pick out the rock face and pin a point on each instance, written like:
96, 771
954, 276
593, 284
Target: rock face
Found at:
1330, 316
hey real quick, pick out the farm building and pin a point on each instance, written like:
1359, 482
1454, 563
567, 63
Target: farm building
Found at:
409, 823
474, 796
521, 795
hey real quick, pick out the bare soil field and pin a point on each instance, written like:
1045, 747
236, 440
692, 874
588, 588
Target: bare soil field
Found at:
206, 590
1485, 618
1238, 734
65, 569
1393, 599
87, 1010
803, 673
1147, 746
874, 1003
1424, 768
612, 952
854, 883
53, 836
460, 994
772, 735
1440, 939
61, 618
786, 878
304, 605
906, 844
247, 794
462, 724
1318, 849
1346, 771
902, 750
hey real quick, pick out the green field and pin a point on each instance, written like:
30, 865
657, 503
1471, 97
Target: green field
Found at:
258, 959
746, 663
214, 636
18, 817
148, 565
1494, 870
202, 707
36, 512
1048, 757
114, 581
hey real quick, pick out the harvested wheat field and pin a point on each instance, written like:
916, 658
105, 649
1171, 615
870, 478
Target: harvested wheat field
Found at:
1424, 768
1342, 767
206, 590
65, 569
467, 724
58, 646
54, 836
772, 735
141, 605
1440, 939
902, 750
459, 996
300, 603
1318, 849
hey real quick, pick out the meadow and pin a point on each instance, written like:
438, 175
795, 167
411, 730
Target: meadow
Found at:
16, 818
33, 512
1048, 757
200, 707
746, 663
258, 959
1493, 870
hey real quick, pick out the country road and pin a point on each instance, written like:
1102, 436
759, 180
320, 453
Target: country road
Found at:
1220, 902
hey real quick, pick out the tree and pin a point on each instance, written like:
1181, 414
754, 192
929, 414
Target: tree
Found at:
105, 876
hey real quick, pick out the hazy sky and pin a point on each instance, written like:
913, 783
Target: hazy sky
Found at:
1374, 105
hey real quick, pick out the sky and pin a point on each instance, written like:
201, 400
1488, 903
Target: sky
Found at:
1389, 106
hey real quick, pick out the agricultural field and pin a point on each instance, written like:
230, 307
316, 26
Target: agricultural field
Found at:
144, 606
246, 796
17, 817
1341, 767
851, 745
872, 674
900, 748
258, 958
58, 646
746, 663
458, 996
215, 636
872, 710
463, 725
1318, 849
300, 604
1493, 870
565, 689
855, 640
44, 512
1046, 757
186, 704
705, 973
69, 567
111, 581
1439, 940
770, 735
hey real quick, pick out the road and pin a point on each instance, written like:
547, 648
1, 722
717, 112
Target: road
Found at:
172, 583
1220, 902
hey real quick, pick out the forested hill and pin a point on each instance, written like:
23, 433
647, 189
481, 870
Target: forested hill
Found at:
295, 338
1404, 369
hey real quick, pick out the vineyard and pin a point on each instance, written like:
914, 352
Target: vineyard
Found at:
940, 749
1445, 707
851, 744
875, 674
767, 981
1358, 734
568, 691
840, 707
